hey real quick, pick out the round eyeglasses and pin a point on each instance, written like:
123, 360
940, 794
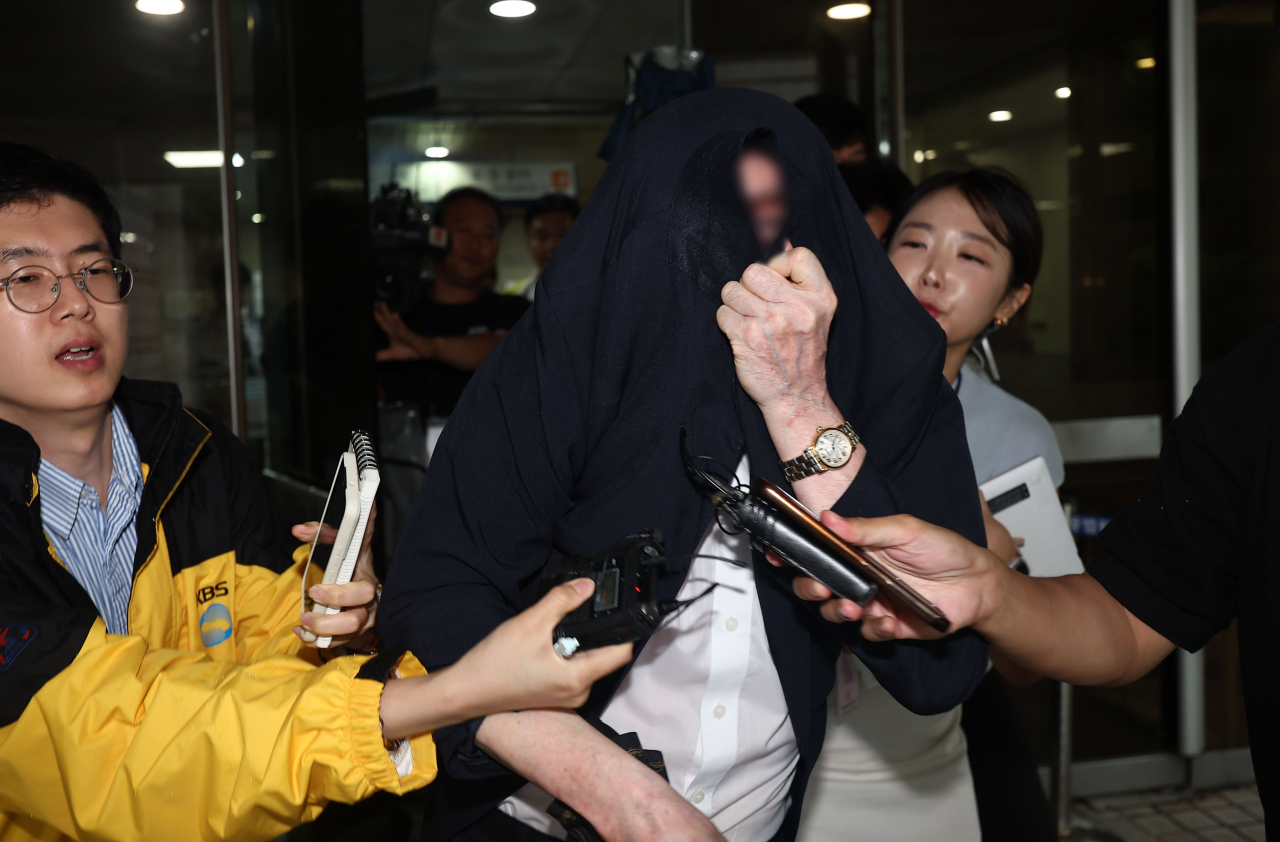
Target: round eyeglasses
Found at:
34, 289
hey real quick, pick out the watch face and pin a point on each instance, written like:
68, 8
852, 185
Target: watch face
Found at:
833, 448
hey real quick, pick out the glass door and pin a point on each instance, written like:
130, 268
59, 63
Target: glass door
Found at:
1071, 100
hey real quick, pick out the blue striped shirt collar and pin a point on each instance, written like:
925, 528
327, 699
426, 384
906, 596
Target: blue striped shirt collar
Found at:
60, 492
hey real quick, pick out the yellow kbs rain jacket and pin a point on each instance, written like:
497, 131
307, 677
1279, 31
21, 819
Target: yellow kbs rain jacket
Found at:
208, 720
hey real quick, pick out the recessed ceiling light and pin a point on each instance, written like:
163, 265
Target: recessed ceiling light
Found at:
1000, 116
437, 152
257, 217
1145, 63
160, 7
512, 8
918, 156
193, 160
1062, 93
930, 154
849, 11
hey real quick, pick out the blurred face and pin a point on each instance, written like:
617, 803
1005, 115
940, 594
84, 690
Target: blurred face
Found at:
851, 153
953, 265
545, 233
878, 219
764, 193
473, 230
70, 357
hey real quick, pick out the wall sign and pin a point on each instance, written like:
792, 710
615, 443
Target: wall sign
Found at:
510, 181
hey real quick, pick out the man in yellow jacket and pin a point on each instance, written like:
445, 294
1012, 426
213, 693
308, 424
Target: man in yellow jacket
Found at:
151, 683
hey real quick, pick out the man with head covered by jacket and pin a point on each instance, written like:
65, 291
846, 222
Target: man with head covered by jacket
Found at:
721, 279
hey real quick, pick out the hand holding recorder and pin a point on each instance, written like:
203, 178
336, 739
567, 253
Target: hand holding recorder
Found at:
345, 602
513, 668
941, 567
357, 600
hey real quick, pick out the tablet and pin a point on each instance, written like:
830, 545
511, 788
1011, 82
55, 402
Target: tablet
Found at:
1025, 501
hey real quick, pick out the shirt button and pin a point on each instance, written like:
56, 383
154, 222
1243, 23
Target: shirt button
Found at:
731, 624
719, 711
698, 796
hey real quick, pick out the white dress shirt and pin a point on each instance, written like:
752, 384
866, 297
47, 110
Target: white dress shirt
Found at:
705, 692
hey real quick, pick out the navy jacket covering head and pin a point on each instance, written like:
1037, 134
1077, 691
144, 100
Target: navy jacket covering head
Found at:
567, 439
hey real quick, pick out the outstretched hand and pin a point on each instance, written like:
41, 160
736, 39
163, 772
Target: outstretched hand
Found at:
405, 344
946, 569
515, 667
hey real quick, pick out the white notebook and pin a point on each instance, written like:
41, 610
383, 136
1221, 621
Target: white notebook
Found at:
1026, 503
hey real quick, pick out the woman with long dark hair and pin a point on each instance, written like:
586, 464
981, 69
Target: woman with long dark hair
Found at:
968, 245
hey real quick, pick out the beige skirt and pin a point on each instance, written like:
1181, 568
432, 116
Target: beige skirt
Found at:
888, 775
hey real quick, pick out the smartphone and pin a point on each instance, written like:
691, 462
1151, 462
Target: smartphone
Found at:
346, 513
796, 536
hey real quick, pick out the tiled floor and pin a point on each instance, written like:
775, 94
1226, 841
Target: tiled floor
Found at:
1227, 815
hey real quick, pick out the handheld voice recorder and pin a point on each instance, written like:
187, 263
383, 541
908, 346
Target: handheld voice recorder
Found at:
345, 517
625, 606
777, 522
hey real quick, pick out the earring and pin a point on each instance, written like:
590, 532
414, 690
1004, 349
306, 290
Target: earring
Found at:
1001, 322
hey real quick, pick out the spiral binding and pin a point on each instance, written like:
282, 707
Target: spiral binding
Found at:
363, 449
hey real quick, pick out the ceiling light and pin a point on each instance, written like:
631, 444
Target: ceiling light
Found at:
236, 160
192, 160
918, 156
930, 154
160, 7
437, 152
1145, 63
1000, 116
1062, 93
512, 8
849, 11
257, 217
1109, 149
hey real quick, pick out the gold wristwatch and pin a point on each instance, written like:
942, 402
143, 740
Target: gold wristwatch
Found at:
832, 448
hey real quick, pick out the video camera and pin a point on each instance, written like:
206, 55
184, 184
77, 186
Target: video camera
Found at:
406, 246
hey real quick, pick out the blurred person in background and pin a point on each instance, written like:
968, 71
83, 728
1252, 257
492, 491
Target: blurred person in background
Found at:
438, 343
152, 682
843, 124
968, 245
546, 222
436, 346
879, 188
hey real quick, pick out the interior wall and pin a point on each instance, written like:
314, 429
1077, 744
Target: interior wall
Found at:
494, 139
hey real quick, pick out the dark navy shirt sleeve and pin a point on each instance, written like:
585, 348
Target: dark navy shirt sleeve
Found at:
925, 677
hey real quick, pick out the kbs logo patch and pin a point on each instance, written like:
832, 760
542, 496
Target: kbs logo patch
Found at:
205, 594
13, 639
215, 625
